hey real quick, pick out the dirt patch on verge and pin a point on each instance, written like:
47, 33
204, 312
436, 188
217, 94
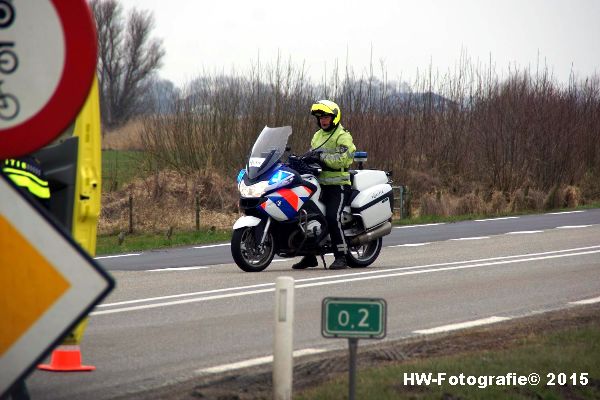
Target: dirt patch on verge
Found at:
168, 199
255, 383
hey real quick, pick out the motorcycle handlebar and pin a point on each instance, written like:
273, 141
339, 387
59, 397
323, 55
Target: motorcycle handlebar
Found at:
303, 165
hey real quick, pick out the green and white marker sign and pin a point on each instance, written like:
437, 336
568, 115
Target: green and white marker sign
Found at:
348, 317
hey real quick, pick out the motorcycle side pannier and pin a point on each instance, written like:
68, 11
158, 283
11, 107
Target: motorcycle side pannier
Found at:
366, 178
374, 205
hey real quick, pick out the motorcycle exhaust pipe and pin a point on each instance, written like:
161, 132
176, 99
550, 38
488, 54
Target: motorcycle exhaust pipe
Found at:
366, 237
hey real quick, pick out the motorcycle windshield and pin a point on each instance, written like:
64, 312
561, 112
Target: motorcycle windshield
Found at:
267, 150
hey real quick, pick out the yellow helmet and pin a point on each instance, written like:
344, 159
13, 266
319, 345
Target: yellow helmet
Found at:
327, 107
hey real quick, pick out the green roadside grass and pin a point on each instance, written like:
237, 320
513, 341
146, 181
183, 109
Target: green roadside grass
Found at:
567, 362
109, 244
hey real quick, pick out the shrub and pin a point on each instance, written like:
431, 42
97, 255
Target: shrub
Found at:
470, 204
572, 197
498, 203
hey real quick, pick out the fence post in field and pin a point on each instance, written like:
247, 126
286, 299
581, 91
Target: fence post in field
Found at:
407, 201
197, 212
130, 213
401, 201
402, 190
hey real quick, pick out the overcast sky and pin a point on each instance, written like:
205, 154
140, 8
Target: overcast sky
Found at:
407, 36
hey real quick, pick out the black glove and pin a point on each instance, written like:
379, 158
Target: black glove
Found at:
313, 156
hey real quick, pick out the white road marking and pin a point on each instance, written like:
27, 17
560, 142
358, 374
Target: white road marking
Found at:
411, 245
174, 296
587, 301
174, 303
345, 278
253, 362
462, 325
565, 212
473, 238
176, 269
423, 271
118, 255
495, 219
522, 232
573, 226
212, 245
418, 226
371, 272
427, 271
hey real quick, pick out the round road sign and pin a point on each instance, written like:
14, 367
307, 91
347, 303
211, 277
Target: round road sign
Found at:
47, 61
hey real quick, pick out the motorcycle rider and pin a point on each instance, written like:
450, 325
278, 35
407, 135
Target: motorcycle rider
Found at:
332, 146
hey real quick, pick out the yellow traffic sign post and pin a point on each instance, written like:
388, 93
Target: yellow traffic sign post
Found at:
81, 208
47, 284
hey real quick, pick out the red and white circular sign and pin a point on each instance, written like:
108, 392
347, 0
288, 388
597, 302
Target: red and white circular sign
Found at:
47, 61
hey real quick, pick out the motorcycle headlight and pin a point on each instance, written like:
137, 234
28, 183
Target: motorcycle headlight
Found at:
256, 190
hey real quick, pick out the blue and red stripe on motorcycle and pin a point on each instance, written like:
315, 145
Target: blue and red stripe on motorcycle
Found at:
284, 204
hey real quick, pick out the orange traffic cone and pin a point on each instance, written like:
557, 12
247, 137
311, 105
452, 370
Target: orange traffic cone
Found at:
66, 359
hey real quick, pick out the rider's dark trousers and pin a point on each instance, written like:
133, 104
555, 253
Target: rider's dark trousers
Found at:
334, 197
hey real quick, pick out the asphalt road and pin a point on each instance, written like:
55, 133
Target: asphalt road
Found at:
177, 313
412, 234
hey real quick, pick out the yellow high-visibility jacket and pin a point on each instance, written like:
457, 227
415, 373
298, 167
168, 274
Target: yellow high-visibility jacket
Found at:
338, 150
26, 173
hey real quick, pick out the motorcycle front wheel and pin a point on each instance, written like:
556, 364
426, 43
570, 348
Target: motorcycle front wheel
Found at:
247, 254
363, 255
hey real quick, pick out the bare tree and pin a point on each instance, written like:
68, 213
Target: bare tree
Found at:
160, 96
127, 57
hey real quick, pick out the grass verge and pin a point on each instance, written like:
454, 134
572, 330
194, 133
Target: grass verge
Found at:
109, 244
566, 362
559, 341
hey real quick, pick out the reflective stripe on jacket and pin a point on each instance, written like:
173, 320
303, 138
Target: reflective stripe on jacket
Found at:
338, 151
28, 176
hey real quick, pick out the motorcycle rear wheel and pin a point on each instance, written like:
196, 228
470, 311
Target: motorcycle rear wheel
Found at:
362, 256
246, 253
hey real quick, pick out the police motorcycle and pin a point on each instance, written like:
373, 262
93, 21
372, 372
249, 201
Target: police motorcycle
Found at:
283, 214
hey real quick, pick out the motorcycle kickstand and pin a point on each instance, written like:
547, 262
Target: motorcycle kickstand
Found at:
323, 259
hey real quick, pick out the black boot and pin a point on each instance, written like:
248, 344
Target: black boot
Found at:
339, 263
306, 262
